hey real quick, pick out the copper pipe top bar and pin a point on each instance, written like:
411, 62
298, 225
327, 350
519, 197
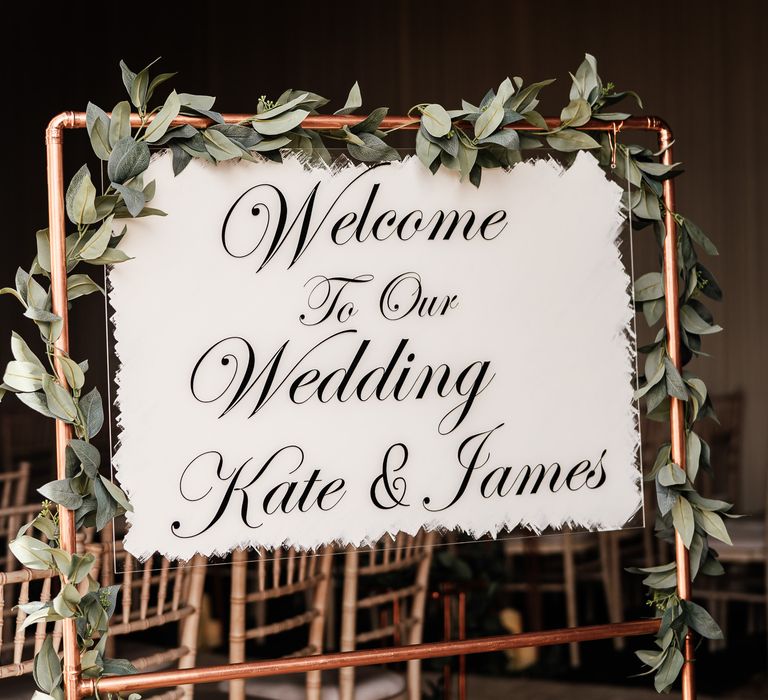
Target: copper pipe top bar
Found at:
76, 120
367, 657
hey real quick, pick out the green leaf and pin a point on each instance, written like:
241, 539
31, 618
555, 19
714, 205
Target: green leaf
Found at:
569, 140
106, 506
46, 668
97, 243
427, 151
281, 124
88, 455
43, 249
66, 602
576, 113
23, 376
133, 198
32, 553
713, 524
374, 149
693, 323
117, 493
669, 670
201, 102
139, 87
128, 76
80, 285
586, 83
73, 373
111, 256
156, 82
220, 147
467, 158
61, 492
649, 287
371, 122
271, 144
671, 475
675, 384
81, 197
37, 402
159, 125
92, 411
692, 455
699, 620
354, 101
435, 120
120, 126
22, 352
682, 517
490, 119
80, 567
700, 237
97, 125
129, 158
59, 400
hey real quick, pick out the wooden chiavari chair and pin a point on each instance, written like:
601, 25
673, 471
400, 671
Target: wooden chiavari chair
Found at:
154, 594
387, 584
286, 576
13, 511
16, 655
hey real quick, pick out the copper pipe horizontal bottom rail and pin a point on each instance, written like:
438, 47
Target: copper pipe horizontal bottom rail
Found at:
367, 657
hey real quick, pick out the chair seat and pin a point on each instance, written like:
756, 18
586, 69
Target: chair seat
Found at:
371, 683
749, 541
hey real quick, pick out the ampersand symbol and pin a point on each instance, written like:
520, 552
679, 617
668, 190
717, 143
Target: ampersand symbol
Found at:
394, 490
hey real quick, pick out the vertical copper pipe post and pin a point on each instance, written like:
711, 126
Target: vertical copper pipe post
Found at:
447, 633
677, 409
57, 234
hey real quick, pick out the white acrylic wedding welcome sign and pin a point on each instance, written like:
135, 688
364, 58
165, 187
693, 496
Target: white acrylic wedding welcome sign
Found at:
311, 355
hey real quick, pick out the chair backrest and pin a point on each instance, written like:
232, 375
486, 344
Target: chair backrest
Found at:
13, 495
259, 586
389, 581
153, 594
17, 588
11, 520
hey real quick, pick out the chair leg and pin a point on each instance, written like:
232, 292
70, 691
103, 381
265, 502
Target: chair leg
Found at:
570, 597
348, 622
191, 626
609, 575
237, 619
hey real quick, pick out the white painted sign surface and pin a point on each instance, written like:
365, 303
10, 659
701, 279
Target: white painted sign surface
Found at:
318, 355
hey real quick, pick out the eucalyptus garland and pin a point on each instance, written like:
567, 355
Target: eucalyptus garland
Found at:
468, 139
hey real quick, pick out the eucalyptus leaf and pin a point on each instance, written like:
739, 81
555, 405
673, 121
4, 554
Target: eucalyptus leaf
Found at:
281, 124
81, 198
47, 668
95, 245
354, 101
93, 412
569, 140
80, 285
435, 120
694, 323
36, 401
120, 125
98, 124
23, 375
129, 158
59, 400
682, 516
31, 552
162, 120
134, 200
374, 149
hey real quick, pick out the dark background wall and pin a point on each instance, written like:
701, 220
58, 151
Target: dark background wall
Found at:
700, 65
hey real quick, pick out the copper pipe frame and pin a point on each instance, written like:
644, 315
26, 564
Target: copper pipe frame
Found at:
76, 688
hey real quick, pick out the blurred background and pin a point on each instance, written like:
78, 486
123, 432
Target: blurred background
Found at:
699, 65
